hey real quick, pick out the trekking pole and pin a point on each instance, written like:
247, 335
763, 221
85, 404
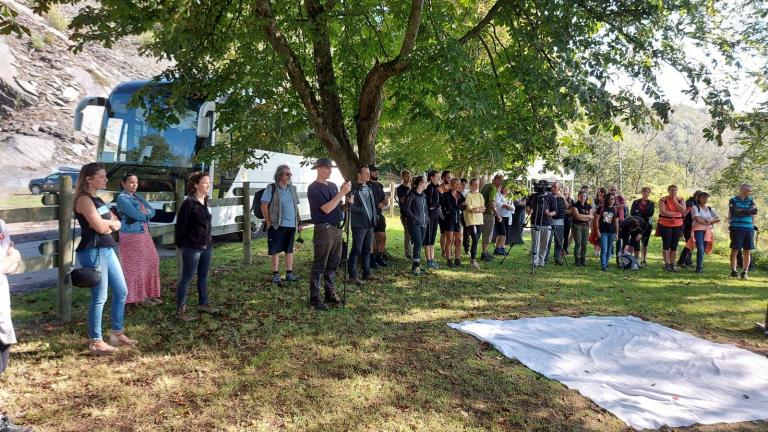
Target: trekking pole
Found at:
345, 272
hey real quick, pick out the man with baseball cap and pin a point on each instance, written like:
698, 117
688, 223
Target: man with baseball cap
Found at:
326, 209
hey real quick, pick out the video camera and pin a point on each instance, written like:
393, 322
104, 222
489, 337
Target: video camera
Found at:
542, 187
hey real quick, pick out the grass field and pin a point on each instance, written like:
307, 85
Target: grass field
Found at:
386, 362
21, 201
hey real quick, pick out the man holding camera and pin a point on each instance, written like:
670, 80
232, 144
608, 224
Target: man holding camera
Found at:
326, 208
542, 206
742, 211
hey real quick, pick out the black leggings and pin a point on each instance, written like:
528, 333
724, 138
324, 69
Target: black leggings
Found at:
670, 237
474, 234
5, 354
429, 239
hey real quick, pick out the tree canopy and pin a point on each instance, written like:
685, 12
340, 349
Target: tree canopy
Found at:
470, 82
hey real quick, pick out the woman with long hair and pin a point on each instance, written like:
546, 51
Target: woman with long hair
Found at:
671, 210
138, 255
594, 235
452, 203
432, 194
97, 250
608, 228
193, 237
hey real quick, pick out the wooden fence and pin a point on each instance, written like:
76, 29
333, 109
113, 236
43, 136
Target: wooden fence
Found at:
58, 253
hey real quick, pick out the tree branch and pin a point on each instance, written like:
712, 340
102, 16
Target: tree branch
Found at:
493, 67
475, 31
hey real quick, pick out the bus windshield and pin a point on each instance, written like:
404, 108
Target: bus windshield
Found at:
129, 138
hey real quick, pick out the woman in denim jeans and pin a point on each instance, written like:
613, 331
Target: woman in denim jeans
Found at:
193, 236
97, 249
608, 228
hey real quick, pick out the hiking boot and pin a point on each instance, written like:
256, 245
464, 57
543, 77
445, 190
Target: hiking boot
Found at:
183, 314
449, 263
744, 275
276, 279
371, 278
206, 308
734, 273
317, 304
97, 348
6, 425
332, 299
119, 339
667, 267
457, 263
290, 277
486, 257
355, 281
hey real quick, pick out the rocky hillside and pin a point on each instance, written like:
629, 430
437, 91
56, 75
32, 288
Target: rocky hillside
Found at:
41, 82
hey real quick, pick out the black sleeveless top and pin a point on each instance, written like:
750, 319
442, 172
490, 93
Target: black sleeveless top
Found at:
89, 238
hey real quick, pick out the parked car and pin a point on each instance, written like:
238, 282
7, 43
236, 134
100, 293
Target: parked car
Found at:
50, 184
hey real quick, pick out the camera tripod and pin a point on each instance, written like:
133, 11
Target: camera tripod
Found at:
542, 211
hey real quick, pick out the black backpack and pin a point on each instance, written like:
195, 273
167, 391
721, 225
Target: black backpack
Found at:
256, 204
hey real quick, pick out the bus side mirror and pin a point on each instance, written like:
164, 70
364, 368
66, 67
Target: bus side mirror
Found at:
82, 105
204, 120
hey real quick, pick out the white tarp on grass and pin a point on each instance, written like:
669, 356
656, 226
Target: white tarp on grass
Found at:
646, 374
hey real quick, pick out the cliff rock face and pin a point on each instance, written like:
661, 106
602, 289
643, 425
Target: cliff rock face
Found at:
41, 82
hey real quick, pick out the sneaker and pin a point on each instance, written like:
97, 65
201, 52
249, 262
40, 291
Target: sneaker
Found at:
457, 263
276, 279
673, 269
433, 265
667, 267
734, 273
486, 257
382, 262
147, 302
206, 308
644, 262
699, 270
119, 339
290, 277
744, 275
6, 425
156, 300
498, 251
99, 348
183, 314
355, 281
475, 265
603, 269
416, 271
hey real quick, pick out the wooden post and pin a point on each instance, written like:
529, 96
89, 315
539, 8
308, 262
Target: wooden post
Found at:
246, 222
391, 199
64, 259
180, 194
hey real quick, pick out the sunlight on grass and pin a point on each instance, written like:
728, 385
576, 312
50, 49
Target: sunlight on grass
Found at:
387, 361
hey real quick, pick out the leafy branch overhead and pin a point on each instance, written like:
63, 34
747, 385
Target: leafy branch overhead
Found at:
492, 80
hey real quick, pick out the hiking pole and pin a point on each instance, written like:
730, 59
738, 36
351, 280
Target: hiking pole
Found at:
512, 243
345, 272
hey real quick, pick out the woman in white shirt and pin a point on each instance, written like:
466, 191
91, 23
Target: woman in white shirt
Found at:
703, 220
506, 210
9, 261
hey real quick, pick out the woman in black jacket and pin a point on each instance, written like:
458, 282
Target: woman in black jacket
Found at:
193, 237
452, 204
432, 194
416, 219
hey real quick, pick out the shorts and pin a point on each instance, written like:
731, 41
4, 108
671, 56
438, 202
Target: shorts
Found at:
742, 239
381, 224
670, 237
500, 228
452, 226
280, 240
489, 221
633, 242
443, 223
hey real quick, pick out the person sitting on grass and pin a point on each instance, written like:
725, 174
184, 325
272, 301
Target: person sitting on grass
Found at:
282, 220
631, 232
416, 213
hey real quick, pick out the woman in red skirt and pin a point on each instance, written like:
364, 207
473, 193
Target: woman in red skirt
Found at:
138, 256
594, 233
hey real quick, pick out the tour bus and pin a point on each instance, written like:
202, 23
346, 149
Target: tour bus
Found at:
127, 143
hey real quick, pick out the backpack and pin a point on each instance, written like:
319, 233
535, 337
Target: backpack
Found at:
256, 204
628, 261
